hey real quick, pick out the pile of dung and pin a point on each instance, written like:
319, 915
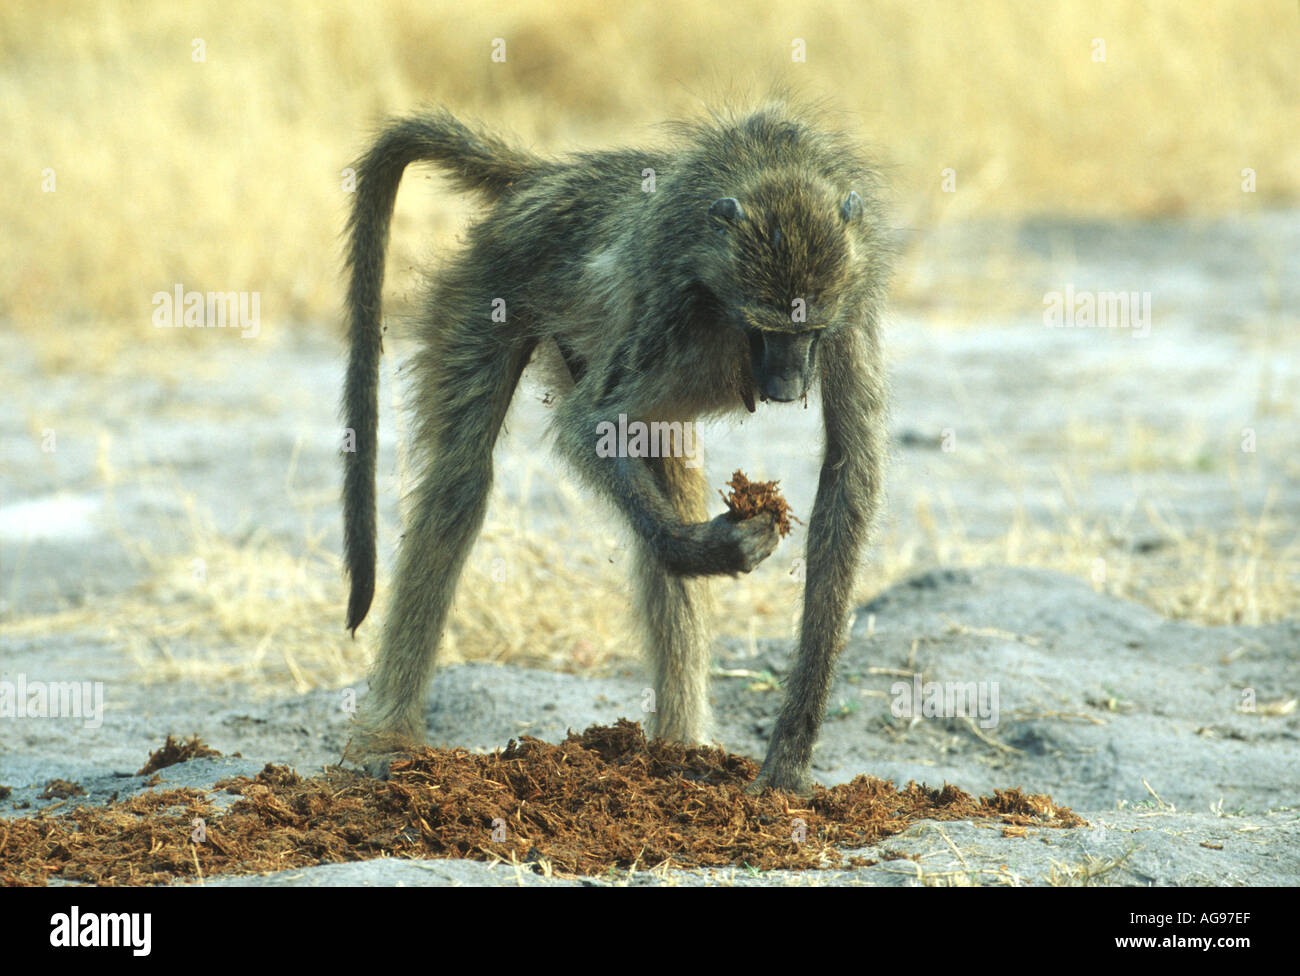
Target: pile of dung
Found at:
603, 800
749, 498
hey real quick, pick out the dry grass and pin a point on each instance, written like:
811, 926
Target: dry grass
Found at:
252, 610
262, 614
225, 174
1247, 574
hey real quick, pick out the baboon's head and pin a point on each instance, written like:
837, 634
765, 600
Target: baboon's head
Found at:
787, 262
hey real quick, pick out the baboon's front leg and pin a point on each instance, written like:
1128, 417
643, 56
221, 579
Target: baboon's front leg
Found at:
675, 617
682, 546
848, 492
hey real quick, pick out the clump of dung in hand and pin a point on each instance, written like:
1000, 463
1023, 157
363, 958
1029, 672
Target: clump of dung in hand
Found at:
749, 498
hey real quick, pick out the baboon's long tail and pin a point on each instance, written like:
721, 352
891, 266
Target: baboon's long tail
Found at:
474, 161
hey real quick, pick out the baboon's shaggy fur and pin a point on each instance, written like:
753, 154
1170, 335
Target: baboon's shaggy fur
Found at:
742, 264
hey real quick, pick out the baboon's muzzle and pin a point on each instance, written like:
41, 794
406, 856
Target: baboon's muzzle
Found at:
782, 363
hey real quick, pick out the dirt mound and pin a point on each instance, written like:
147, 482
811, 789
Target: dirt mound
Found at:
600, 801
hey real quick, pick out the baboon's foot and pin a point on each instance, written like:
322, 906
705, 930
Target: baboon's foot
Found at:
375, 753
786, 778
378, 767
679, 731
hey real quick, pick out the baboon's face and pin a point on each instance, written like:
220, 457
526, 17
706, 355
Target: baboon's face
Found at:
789, 265
781, 363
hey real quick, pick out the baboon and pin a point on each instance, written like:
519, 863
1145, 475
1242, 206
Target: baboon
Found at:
738, 266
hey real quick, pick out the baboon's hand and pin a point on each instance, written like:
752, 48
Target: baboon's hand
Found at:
738, 547
755, 539
721, 546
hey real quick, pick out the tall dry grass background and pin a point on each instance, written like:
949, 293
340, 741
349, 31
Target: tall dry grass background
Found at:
224, 173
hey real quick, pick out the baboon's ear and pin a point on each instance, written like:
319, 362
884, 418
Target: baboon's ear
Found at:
728, 209
851, 209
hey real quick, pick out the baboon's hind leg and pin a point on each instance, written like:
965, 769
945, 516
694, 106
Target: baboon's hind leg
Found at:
463, 384
675, 616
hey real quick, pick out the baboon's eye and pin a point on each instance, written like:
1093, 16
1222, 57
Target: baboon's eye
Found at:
727, 209
852, 207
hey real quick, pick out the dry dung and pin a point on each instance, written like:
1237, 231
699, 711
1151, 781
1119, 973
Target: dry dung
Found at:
601, 801
749, 498
175, 751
